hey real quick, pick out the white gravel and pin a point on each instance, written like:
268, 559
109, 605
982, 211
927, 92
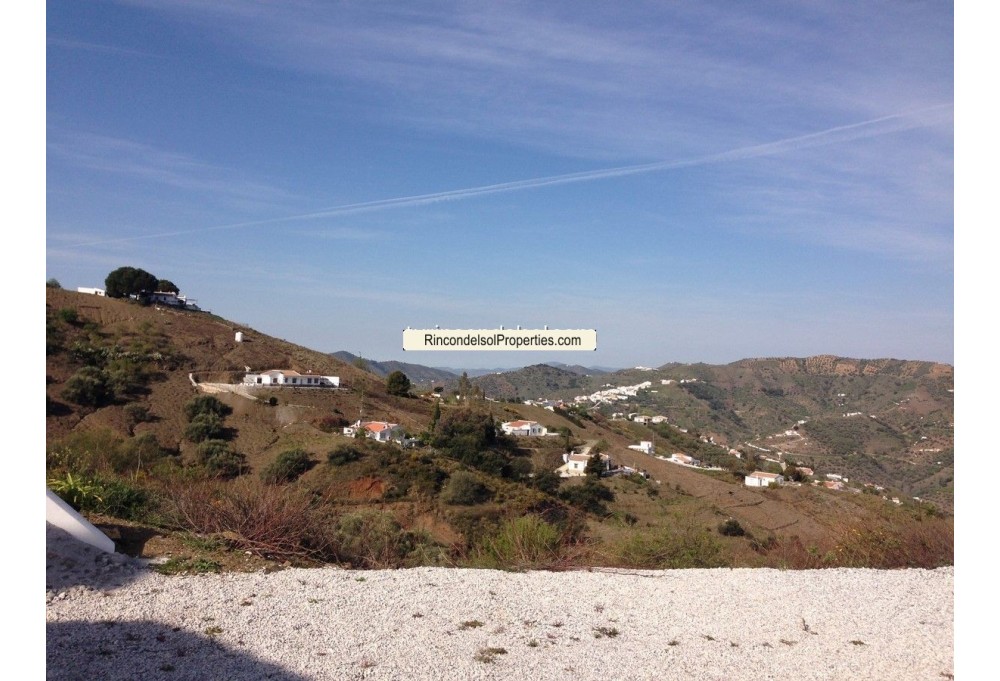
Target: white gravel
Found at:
110, 617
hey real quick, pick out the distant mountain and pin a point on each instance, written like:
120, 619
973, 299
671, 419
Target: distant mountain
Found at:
539, 380
417, 373
582, 370
471, 373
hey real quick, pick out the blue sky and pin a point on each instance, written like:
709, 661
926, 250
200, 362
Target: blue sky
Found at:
697, 181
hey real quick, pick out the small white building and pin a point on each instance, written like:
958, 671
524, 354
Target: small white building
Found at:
90, 291
644, 446
289, 378
575, 465
762, 479
523, 428
677, 457
640, 418
380, 431
171, 299
658, 419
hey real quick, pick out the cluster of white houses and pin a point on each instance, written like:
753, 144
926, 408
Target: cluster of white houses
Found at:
611, 394
286, 377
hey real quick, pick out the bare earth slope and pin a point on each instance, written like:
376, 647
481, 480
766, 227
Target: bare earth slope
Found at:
109, 617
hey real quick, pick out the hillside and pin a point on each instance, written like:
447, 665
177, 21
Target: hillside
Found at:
130, 443
532, 382
886, 422
417, 373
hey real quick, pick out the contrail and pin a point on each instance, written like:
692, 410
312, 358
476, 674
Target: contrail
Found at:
845, 133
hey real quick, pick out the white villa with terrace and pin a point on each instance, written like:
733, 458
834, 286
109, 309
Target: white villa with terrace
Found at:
380, 431
289, 378
523, 428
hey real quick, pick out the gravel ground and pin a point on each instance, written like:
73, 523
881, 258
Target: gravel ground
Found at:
110, 617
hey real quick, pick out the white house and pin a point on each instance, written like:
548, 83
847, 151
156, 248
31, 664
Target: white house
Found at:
644, 446
639, 418
575, 465
523, 428
677, 457
90, 291
171, 299
762, 479
287, 377
380, 431
659, 419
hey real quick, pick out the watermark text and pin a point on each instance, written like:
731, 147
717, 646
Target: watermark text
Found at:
499, 339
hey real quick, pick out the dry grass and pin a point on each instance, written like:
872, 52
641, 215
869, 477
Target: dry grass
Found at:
270, 520
903, 543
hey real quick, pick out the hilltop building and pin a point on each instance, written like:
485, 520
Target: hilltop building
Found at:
523, 428
286, 377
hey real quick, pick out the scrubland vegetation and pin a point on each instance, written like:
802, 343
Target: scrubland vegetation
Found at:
131, 442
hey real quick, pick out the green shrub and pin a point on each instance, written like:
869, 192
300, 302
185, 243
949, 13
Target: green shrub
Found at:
289, 466
464, 488
344, 454
205, 426
547, 481
589, 497
76, 490
219, 460
102, 451
182, 564
136, 454
88, 387
126, 376
68, 315
522, 543
112, 497
122, 499
731, 528
397, 384
134, 415
470, 436
372, 539
671, 548
206, 404
520, 468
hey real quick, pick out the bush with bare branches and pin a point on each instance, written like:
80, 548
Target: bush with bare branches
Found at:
272, 521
